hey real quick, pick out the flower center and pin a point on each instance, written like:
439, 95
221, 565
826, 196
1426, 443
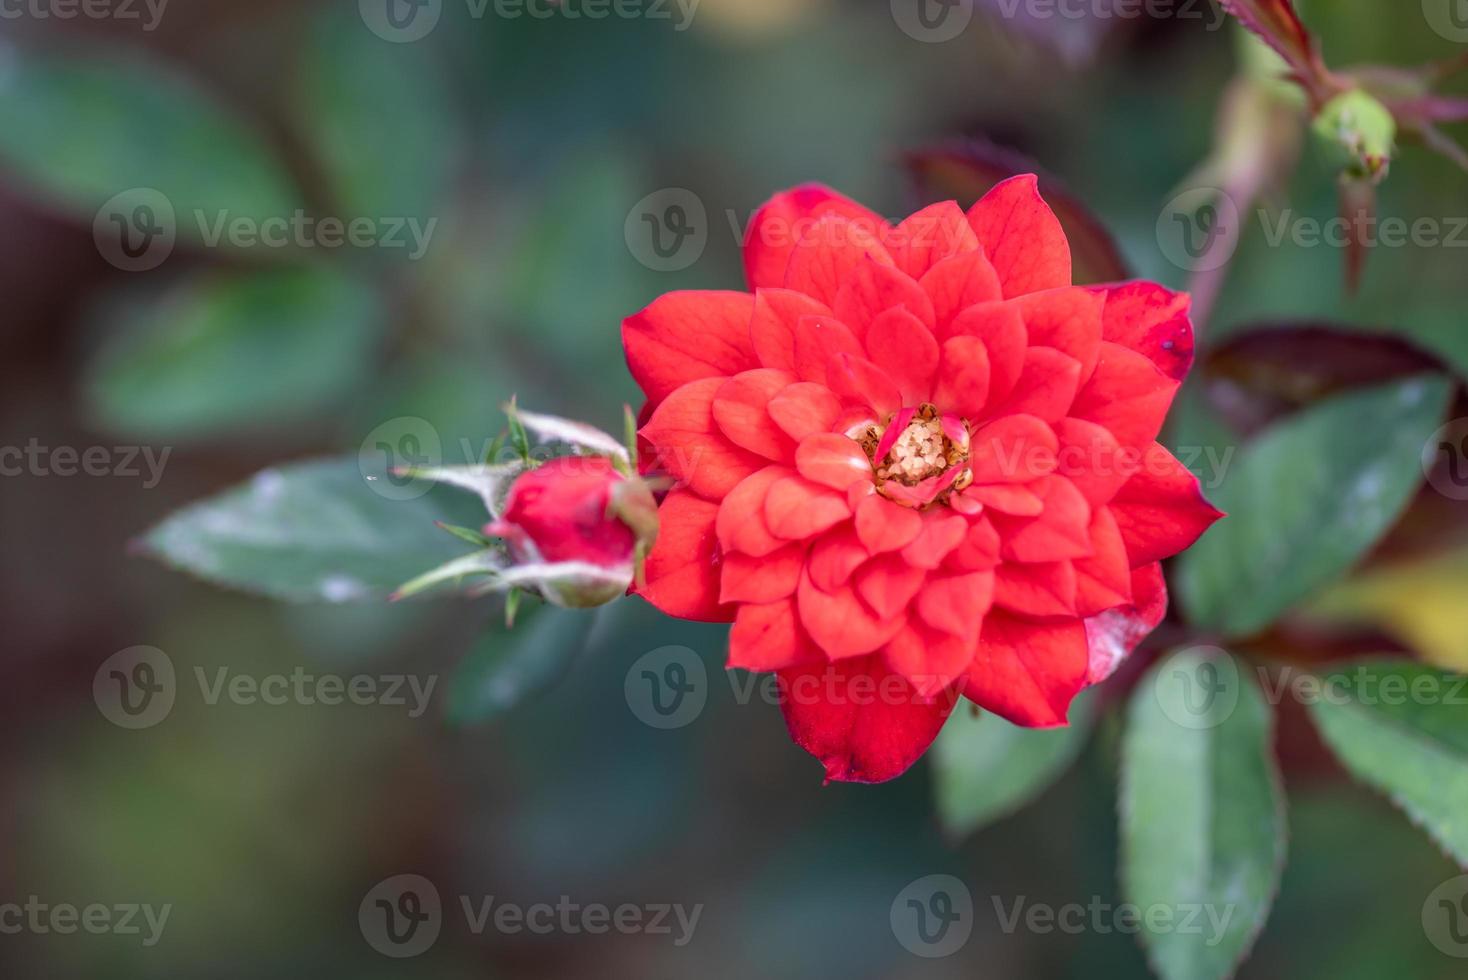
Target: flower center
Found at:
914, 446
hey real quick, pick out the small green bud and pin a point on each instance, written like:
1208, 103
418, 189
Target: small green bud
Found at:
1358, 134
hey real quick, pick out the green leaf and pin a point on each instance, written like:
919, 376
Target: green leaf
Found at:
508, 666
985, 768
314, 531
85, 127
1306, 500
377, 117
215, 353
1402, 728
1202, 815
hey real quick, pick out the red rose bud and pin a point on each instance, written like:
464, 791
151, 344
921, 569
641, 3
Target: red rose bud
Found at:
578, 510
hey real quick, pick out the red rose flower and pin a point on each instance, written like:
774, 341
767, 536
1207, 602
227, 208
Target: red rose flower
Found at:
915, 462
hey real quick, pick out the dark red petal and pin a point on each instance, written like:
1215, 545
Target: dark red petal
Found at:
1114, 634
772, 325
741, 409
874, 287
817, 341
804, 409
765, 579
1022, 237
829, 254
865, 723
741, 521
1028, 672
1068, 320
682, 570
1043, 589
684, 336
690, 446
935, 233
1104, 578
1126, 394
958, 282
1152, 321
1161, 511
840, 623
782, 220
900, 343
767, 636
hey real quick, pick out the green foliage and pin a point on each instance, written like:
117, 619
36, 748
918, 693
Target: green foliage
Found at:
1202, 814
512, 664
1402, 729
1306, 500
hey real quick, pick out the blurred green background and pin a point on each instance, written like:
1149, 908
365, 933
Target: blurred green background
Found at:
533, 146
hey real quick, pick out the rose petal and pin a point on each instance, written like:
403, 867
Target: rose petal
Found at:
1022, 237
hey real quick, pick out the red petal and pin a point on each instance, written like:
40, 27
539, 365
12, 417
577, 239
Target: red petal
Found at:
930, 659
979, 549
768, 637
741, 408
741, 521
1007, 498
963, 377
1046, 387
1152, 321
1044, 589
690, 446
1068, 320
1013, 449
682, 570
864, 723
900, 343
857, 379
840, 623
883, 526
687, 335
1022, 237
1126, 394
772, 325
804, 409
817, 340
796, 509
828, 254
956, 283
956, 604
940, 534
1091, 458
1114, 634
782, 220
1058, 532
835, 556
766, 579
871, 289
935, 233
1002, 330
1104, 579
1028, 672
887, 584
832, 460
1161, 511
